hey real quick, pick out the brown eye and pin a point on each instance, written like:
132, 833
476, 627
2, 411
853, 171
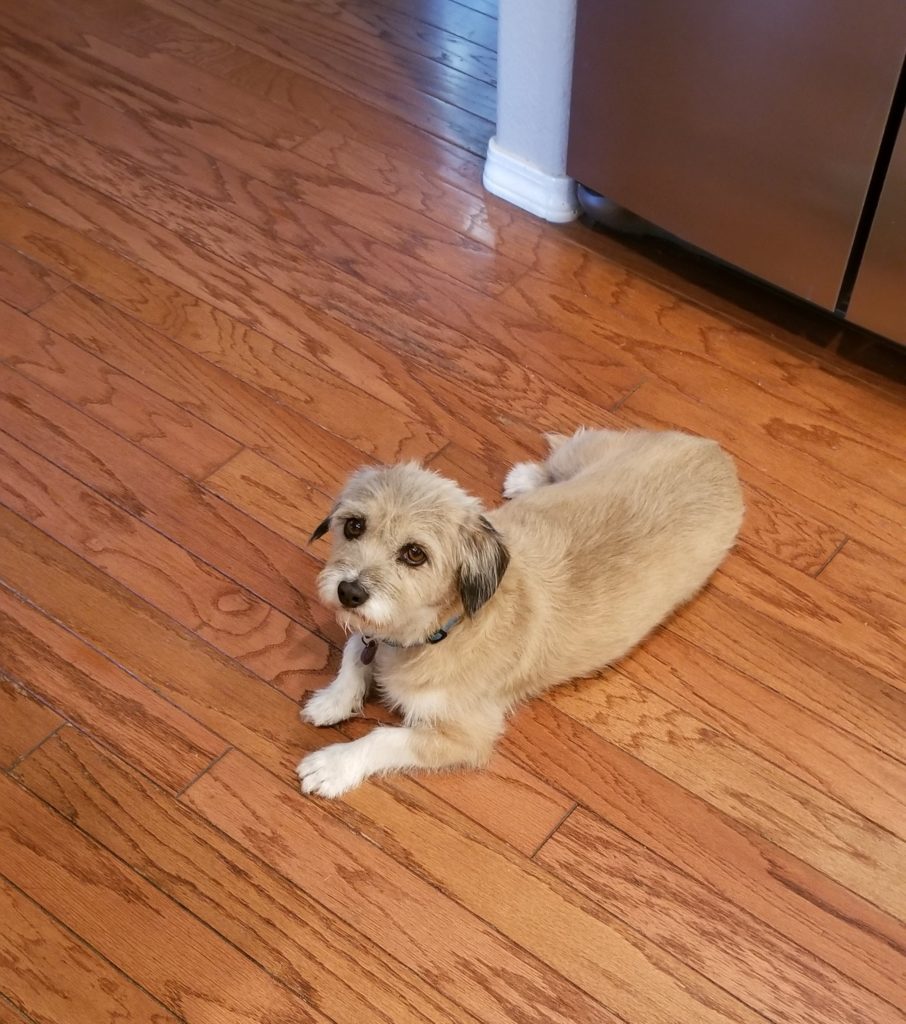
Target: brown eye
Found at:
353, 528
412, 554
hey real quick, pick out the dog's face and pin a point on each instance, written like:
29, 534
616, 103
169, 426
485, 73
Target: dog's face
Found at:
409, 548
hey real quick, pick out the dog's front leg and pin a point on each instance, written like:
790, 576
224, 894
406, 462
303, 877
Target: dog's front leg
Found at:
342, 766
344, 696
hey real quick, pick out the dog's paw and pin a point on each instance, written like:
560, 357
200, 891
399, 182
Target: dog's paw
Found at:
329, 706
332, 771
522, 478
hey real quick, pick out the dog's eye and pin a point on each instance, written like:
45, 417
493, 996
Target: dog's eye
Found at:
353, 528
412, 554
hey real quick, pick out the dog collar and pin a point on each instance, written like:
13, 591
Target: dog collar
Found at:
371, 642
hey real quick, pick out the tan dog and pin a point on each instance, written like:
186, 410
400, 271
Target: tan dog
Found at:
460, 616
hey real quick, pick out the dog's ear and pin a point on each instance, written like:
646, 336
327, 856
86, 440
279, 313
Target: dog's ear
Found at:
320, 530
483, 565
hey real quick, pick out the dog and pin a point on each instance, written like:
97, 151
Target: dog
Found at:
458, 615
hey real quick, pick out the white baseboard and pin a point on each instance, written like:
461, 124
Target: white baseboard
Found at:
550, 196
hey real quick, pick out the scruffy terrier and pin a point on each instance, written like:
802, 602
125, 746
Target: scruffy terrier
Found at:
459, 615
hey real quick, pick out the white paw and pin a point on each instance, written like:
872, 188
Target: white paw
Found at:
332, 771
522, 478
331, 705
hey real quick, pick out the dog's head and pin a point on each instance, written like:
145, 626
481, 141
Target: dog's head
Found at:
409, 547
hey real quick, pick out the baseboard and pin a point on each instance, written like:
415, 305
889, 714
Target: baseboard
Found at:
550, 196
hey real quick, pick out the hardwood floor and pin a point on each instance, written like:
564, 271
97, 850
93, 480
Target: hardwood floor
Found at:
244, 248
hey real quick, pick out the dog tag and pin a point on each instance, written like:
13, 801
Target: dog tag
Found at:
369, 651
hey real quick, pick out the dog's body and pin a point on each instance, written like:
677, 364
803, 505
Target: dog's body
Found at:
597, 546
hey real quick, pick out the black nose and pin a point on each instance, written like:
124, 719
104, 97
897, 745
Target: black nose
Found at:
351, 594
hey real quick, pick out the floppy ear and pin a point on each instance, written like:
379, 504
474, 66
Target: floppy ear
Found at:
320, 530
483, 566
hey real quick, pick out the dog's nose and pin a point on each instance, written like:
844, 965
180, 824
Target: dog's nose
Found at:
351, 594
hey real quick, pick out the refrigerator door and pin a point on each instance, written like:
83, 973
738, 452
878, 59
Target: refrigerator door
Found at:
749, 130
879, 298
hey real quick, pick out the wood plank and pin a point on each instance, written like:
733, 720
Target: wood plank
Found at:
242, 65
85, 688
212, 530
279, 500
173, 956
412, 30
24, 722
293, 377
47, 973
793, 815
799, 400
773, 726
9, 157
732, 859
9, 1015
437, 183
870, 580
428, 315
306, 947
193, 594
368, 37
24, 283
770, 650
202, 389
514, 805
434, 408
474, 19
24, 45
129, 408
742, 955
388, 93
810, 607
601, 958
212, 688
278, 189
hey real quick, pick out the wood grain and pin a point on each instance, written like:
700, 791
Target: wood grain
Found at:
742, 955
799, 818
211, 529
81, 685
191, 592
512, 804
202, 389
49, 974
714, 848
800, 742
134, 411
175, 958
431, 406
23, 283
618, 968
8, 156
871, 580
386, 92
296, 939
24, 722
213, 689
804, 670
270, 495
257, 178
435, 408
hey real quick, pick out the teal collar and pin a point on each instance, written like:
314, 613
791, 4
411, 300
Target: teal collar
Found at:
371, 642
